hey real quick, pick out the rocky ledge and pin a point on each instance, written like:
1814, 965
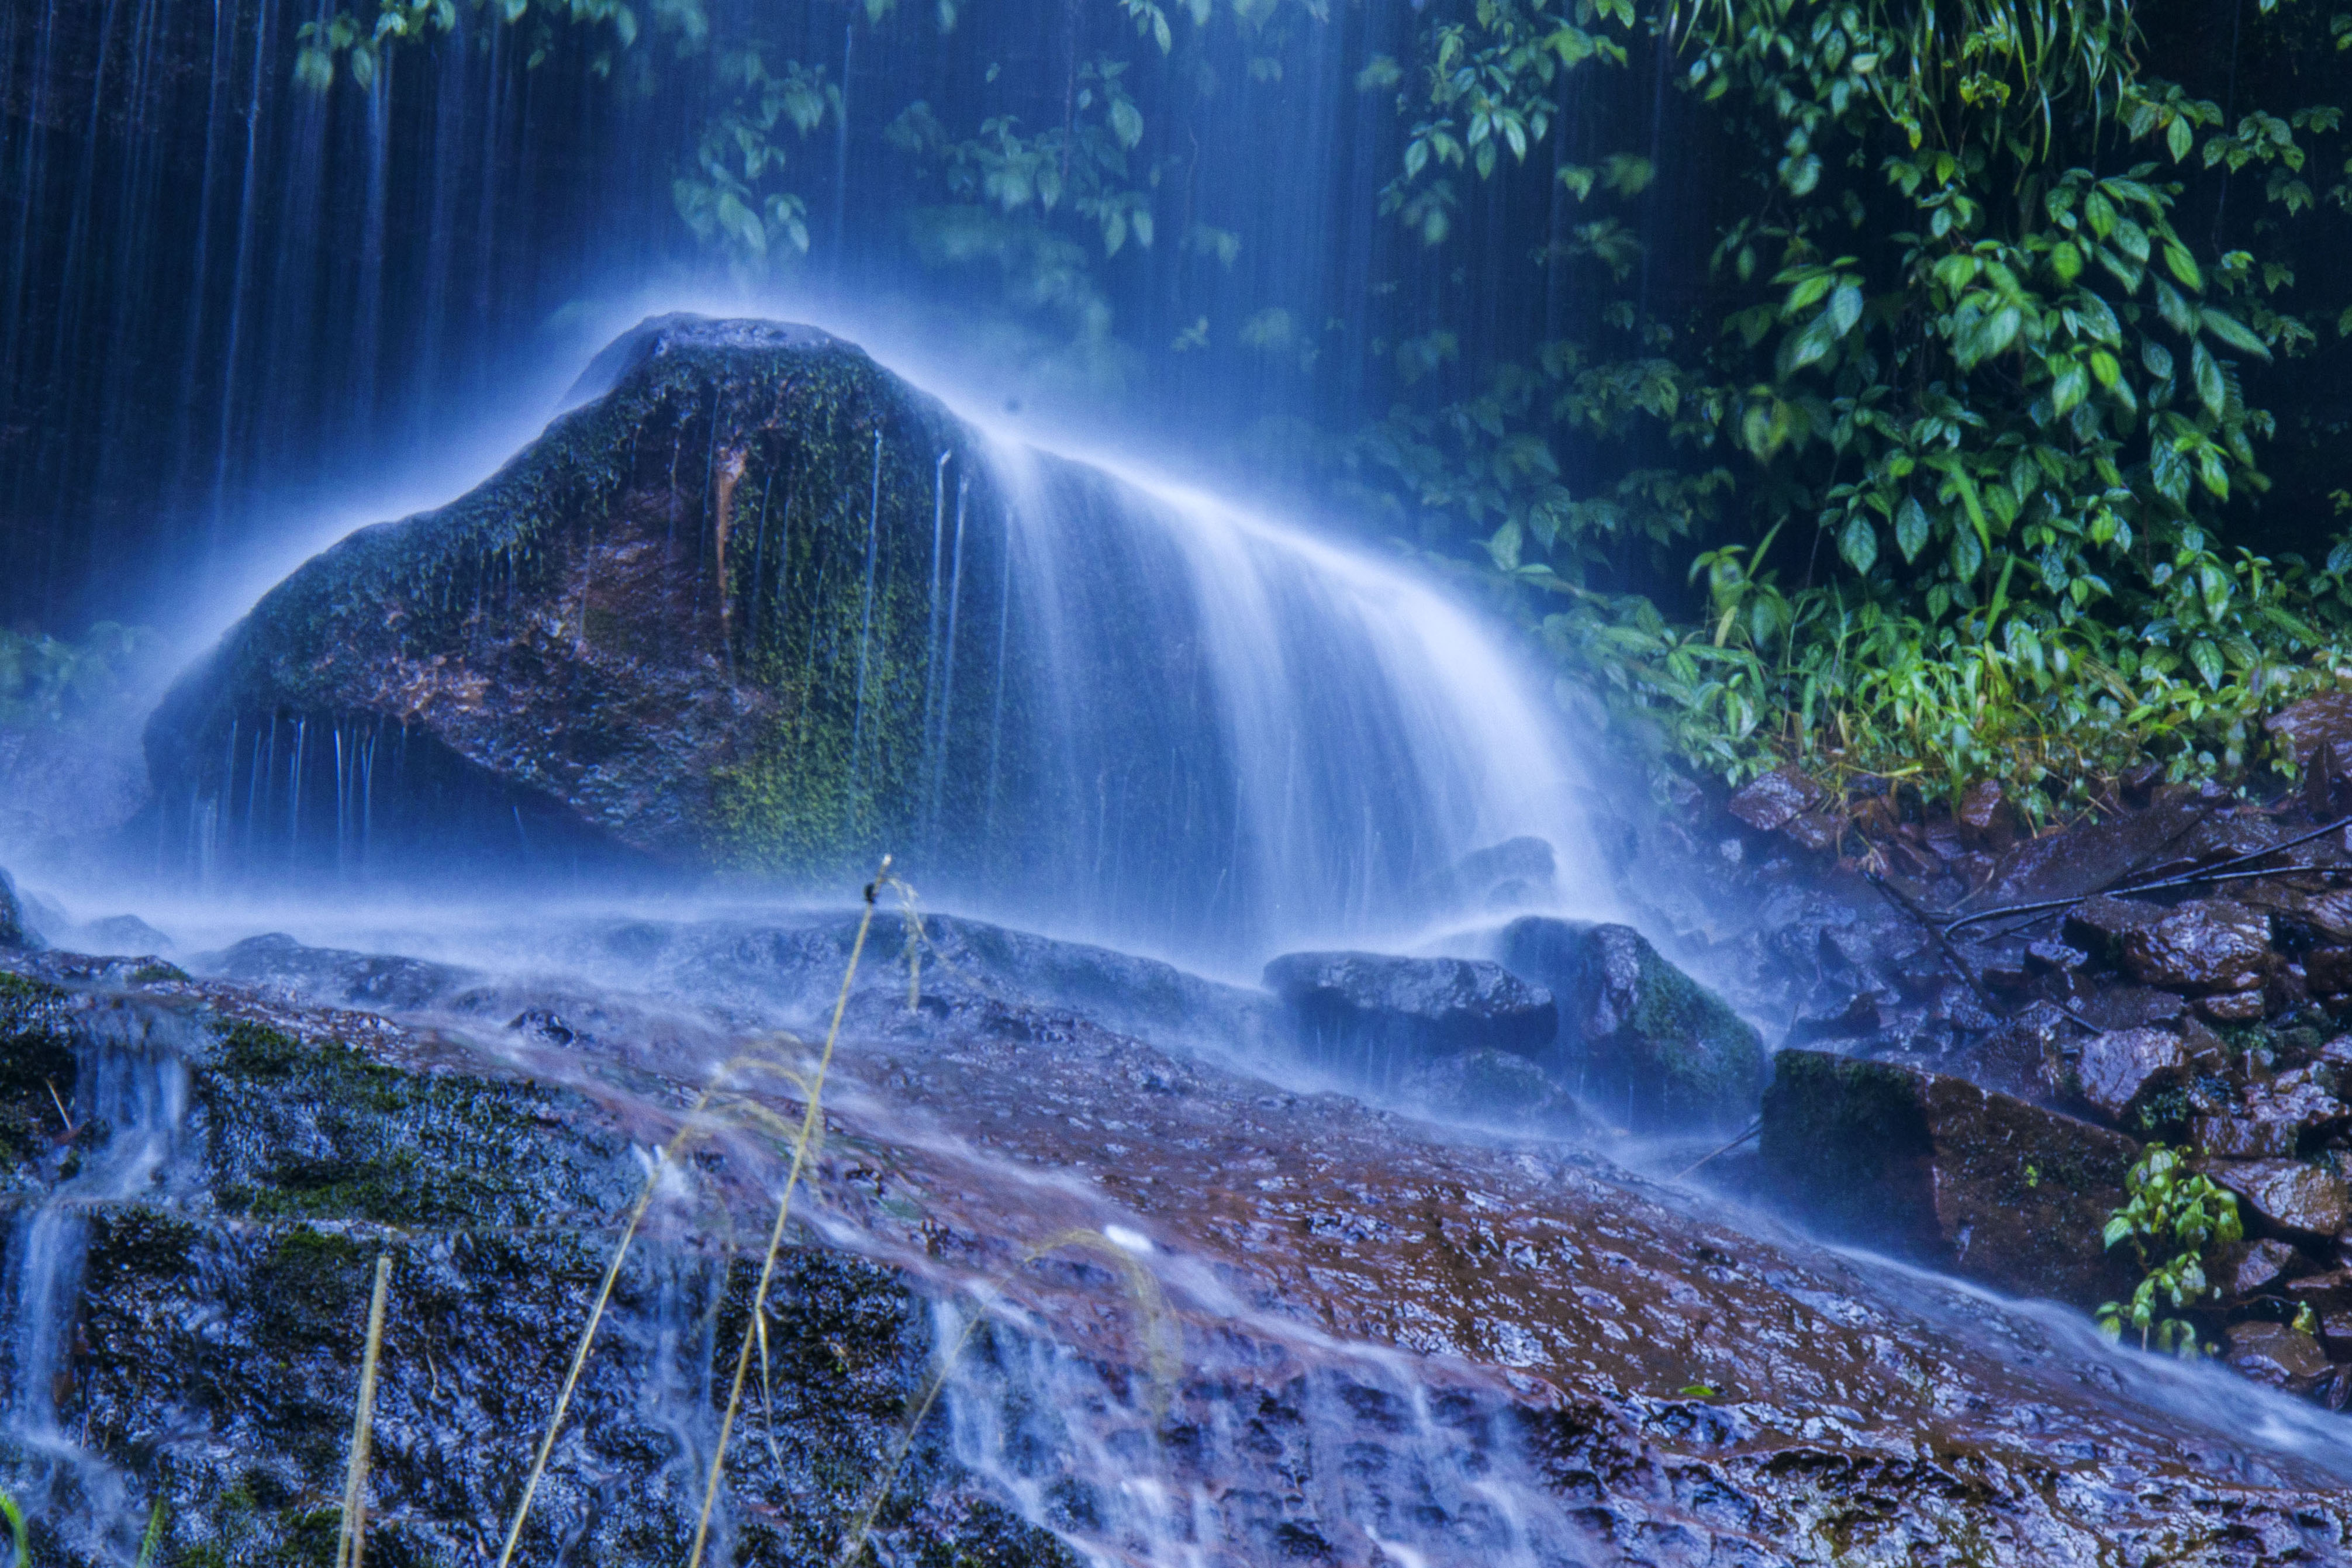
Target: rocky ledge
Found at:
1214, 1313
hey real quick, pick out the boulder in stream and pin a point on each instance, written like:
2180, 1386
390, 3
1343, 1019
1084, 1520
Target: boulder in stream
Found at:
1637, 1037
1937, 1170
1377, 1016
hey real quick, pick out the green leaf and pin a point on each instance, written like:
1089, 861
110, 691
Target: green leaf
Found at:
2233, 331
2207, 661
1911, 529
1858, 544
2207, 373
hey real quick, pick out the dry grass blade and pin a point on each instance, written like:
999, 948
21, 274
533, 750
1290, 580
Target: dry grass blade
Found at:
687, 1127
350, 1544
812, 1122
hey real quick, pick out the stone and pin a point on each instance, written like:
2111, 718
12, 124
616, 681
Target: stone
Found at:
121, 933
1497, 1089
1947, 1174
2314, 725
2119, 1068
13, 932
2055, 956
2278, 1355
1637, 1036
1818, 831
1378, 1016
2328, 970
2233, 1006
2288, 1193
2226, 1135
2297, 1101
2257, 1267
2205, 945
1775, 799
2098, 925
1986, 814
333, 976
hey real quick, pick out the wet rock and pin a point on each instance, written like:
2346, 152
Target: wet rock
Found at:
334, 975
2116, 1070
2227, 1135
1497, 1089
2206, 945
2328, 970
2056, 956
121, 933
2292, 1105
1836, 1015
2289, 1194
1818, 831
12, 932
2316, 726
2276, 1354
1775, 800
1634, 1031
2022, 1055
1986, 815
2098, 925
2256, 1266
1378, 1016
1950, 1175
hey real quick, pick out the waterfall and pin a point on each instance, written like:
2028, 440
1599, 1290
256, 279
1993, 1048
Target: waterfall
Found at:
1252, 738
130, 1080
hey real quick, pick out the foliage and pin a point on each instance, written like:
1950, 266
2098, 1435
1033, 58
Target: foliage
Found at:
1959, 339
49, 680
2172, 1216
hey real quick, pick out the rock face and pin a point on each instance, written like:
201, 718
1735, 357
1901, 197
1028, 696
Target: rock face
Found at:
1475, 1353
2289, 1194
2116, 1068
1378, 1016
650, 636
1638, 1037
1937, 1170
12, 932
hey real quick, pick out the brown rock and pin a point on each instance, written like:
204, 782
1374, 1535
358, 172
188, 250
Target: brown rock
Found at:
2116, 1068
2288, 1193
1774, 800
2233, 1006
1950, 1173
2209, 944
2297, 1102
2331, 913
2276, 1354
2328, 969
1816, 830
2323, 1293
2098, 925
2307, 727
1986, 816
2225, 1136
2257, 1265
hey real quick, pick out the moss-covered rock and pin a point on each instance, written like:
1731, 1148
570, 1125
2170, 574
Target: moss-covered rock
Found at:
694, 622
213, 1343
1638, 1037
1940, 1171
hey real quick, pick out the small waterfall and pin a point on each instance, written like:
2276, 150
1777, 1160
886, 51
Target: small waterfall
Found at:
131, 1084
1252, 738
1355, 1459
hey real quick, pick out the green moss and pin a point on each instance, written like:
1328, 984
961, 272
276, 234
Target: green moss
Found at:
1711, 1057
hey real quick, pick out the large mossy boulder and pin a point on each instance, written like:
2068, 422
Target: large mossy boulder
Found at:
1638, 1038
1941, 1171
698, 622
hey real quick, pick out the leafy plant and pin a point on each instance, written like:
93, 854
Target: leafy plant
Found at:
47, 679
2171, 1216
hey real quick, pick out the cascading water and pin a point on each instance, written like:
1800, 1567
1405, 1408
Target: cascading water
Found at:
130, 1087
1255, 739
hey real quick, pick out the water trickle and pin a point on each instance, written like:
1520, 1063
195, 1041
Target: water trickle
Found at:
130, 1091
1255, 1458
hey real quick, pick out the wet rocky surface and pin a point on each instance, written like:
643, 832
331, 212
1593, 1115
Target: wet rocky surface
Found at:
1225, 1315
2171, 971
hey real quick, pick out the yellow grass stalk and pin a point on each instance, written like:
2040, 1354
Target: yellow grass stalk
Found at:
811, 1121
353, 1539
